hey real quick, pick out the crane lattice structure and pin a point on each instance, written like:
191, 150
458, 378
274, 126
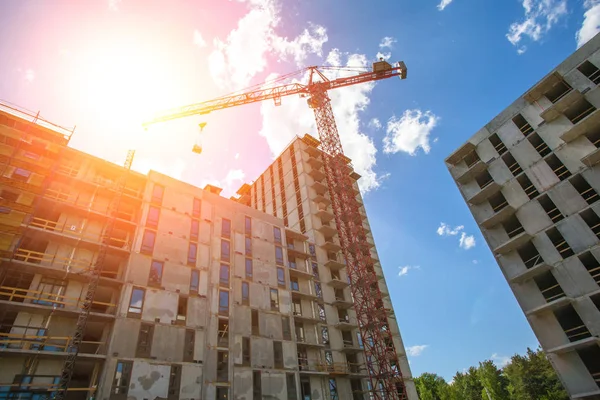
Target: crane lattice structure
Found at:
382, 360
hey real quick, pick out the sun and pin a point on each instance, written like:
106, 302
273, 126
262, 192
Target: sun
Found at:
126, 81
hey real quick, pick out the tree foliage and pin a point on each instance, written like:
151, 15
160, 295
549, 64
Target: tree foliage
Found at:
525, 377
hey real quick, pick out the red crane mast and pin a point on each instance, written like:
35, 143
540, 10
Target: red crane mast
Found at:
382, 360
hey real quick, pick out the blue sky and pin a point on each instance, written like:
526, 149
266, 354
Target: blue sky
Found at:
106, 65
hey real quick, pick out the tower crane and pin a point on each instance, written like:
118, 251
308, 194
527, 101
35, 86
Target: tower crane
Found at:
385, 378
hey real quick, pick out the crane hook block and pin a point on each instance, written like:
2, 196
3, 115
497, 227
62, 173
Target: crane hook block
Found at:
197, 149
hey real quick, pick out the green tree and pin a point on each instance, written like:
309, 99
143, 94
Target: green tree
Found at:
467, 385
531, 377
493, 381
430, 386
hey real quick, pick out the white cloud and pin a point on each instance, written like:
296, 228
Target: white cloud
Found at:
198, 39
540, 17
387, 41
415, 351
29, 75
386, 56
409, 132
235, 61
443, 4
591, 22
113, 5
466, 241
234, 175
446, 230
293, 117
310, 41
475, 262
375, 123
404, 270
500, 361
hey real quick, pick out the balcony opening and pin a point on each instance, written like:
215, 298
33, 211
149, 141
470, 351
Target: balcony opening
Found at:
357, 390
484, 179
527, 186
222, 366
246, 358
256, 385
596, 300
592, 221
286, 332
549, 286
591, 359
471, 159
118, 238
498, 202
558, 91
103, 300
189, 345
222, 393
498, 144
513, 226
343, 316
339, 295
571, 323
590, 71
530, 255
144, 343
111, 267
290, 379
579, 110
592, 265
551, 210
558, 167
559, 242
297, 308
539, 145
584, 189
299, 329
182, 309
45, 218
347, 339
174, 382
512, 164
15, 285
255, 325
594, 137
522, 124
278, 354
223, 338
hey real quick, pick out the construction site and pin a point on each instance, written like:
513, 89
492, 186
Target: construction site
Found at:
119, 285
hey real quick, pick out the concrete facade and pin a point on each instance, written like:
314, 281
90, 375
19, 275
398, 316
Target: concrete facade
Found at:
531, 179
200, 297
294, 188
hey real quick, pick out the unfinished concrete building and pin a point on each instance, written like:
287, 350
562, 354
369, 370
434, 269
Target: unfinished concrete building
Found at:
295, 189
531, 179
200, 297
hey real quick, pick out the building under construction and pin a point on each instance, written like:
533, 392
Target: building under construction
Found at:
198, 296
531, 179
